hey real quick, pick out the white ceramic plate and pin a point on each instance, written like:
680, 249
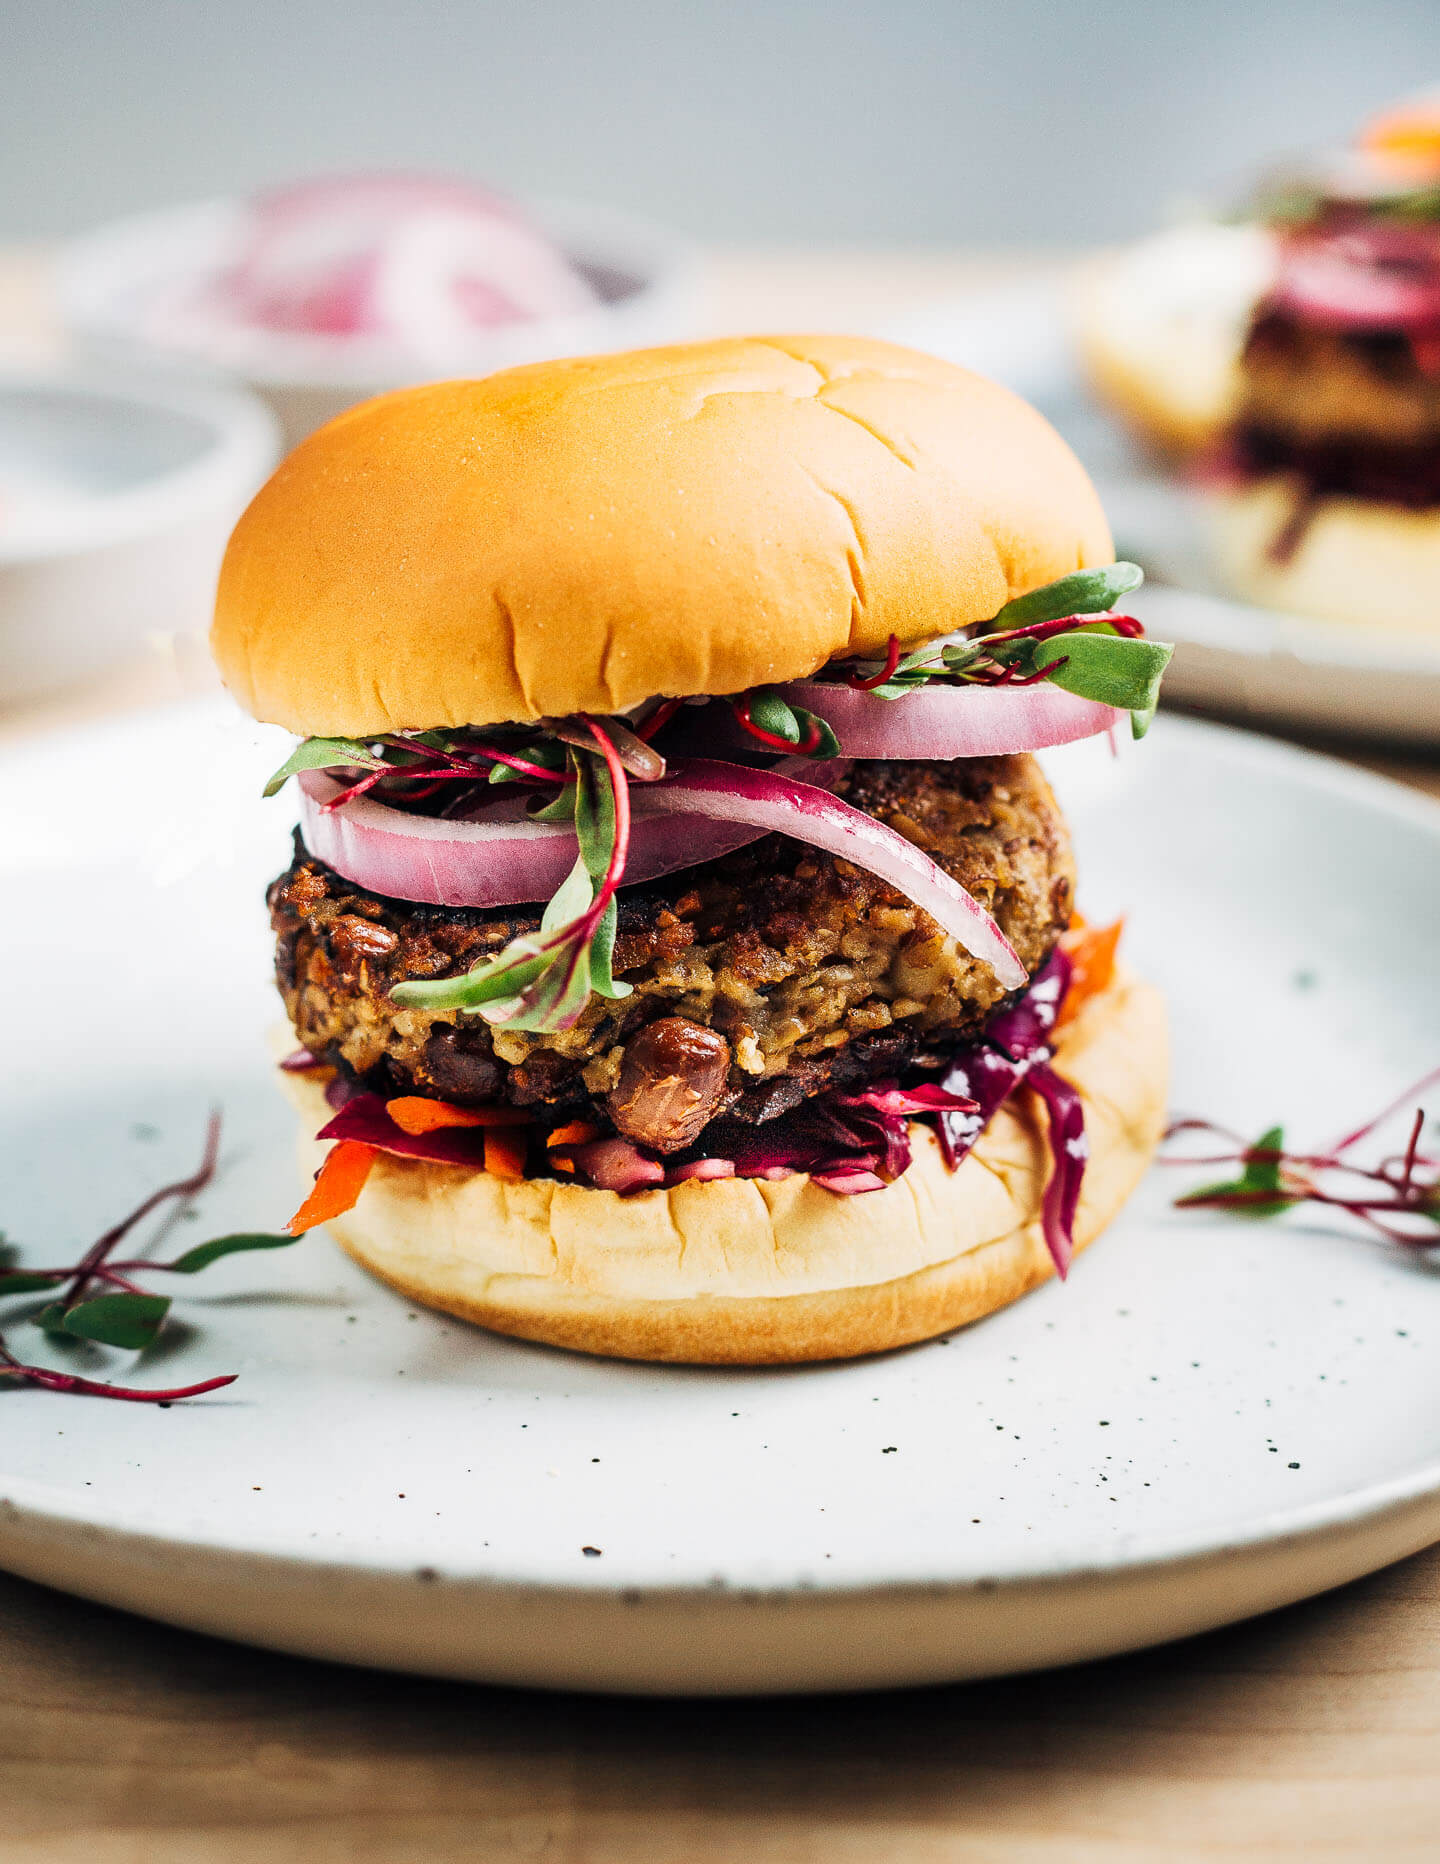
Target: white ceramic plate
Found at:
1210, 1419
116, 498
111, 278
1246, 662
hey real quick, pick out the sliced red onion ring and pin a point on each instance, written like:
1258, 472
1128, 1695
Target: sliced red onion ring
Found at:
942, 720
504, 859
779, 804
1375, 277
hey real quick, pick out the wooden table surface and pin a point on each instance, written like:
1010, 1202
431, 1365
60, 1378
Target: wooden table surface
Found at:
1313, 1733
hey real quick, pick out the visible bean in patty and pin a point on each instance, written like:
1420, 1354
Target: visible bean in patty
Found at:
671, 1080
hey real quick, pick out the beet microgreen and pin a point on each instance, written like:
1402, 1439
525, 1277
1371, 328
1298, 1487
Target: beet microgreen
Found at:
324, 754
122, 1314
543, 981
1096, 663
772, 721
1258, 1191
1063, 633
1398, 1198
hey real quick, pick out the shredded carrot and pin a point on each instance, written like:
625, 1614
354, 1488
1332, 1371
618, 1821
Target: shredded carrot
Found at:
415, 1114
338, 1184
1091, 951
505, 1155
577, 1133
564, 1165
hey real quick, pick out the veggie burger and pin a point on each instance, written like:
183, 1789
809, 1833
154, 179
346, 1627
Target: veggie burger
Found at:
680, 936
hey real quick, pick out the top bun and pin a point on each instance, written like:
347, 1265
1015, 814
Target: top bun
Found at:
582, 535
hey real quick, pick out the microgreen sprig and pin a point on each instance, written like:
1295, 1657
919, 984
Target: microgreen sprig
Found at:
542, 982
1063, 632
123, 1314
1398, 1198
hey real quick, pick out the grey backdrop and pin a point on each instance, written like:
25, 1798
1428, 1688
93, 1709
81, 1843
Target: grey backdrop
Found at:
910, 121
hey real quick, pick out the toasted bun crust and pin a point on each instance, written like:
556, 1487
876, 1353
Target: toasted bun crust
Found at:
740, 1272
585, 534
1359, 562
1160, 327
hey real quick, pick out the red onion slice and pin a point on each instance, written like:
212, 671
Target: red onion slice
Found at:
1376, 277
942, 720
504, 859
778, 804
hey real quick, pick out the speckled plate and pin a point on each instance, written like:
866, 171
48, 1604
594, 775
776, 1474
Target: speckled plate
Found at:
1209, 1419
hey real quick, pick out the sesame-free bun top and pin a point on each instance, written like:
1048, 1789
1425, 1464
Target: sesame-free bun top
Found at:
582, 535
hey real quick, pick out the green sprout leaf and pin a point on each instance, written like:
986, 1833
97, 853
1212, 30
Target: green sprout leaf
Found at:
771, 713
543, 982
1086, 592
129, 1320
960, 656
595, 831
19, 1281
505, 975
826, 743
324, 754
1109, 668
203, 1254
1260, 1175
548, 755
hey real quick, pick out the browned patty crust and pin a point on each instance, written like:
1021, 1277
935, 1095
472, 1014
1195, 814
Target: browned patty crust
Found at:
757, 980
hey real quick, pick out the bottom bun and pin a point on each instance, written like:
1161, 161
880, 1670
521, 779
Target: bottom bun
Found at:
1358, 561
740, 1271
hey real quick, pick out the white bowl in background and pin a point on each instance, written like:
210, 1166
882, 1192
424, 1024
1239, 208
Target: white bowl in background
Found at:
116, 499
113, 280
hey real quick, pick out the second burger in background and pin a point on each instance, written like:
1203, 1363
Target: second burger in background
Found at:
736, 654
1328, 478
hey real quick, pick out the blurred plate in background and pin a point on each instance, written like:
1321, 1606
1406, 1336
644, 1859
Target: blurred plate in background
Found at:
1255, 664
116, 283
116, 500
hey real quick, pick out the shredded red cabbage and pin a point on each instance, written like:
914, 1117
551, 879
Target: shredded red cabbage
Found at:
1016, 1048
990, 1070
1069, 1150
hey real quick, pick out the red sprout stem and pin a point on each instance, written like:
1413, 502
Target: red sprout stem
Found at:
771, 740
620, 850
94, 1258
657, 720
10, 1367
1412, 1151
523, 766
366, 782
1063, 624
1203, 1126
1034, 679
887, 672
466, 766
439, 767
1400, 1100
